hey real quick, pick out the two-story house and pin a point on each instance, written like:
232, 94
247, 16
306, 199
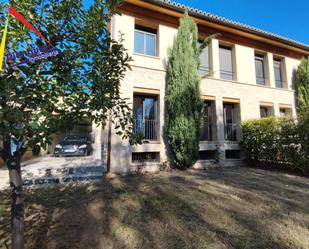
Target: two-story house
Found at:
246, 73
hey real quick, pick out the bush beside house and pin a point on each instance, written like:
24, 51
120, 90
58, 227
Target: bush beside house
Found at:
284, 143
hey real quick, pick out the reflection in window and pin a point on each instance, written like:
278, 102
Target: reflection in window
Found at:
145, 40
145, 116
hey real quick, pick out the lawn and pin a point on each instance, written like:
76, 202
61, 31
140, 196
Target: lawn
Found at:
217, 208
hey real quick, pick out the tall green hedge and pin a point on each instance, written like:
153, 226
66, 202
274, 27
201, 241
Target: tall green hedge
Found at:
277, 142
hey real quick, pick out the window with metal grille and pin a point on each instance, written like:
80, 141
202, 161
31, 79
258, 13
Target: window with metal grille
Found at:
145, 116
230, 125
206, 130
140, 157
207, 155
232, 154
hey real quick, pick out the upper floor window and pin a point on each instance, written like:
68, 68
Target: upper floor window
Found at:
204, 62
226, 63
278, 73
259, 70
145, 40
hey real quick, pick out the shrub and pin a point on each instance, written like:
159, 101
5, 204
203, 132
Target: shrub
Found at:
302, 85
277, 142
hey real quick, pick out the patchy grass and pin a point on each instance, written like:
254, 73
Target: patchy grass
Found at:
229, 208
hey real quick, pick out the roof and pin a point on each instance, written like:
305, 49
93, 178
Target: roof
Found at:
221, 20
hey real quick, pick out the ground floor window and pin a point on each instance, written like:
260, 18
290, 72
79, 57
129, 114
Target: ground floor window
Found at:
145, 112
143, 157
207, 124
230, 125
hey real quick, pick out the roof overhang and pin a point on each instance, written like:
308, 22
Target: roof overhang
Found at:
223, 25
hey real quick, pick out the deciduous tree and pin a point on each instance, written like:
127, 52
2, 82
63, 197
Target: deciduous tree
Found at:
41, 98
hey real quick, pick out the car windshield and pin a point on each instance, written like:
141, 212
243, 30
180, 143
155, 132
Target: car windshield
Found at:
75, 138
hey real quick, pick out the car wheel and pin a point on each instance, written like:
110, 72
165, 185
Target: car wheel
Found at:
88, 152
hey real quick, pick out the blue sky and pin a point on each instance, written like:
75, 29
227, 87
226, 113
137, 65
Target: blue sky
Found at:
288, 18
283, 17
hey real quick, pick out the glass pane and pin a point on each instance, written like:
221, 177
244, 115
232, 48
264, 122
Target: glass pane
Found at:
138, 114
263, 112
226, 64
259, 70
151, 44
206, 127
149, 104
228, 114
277, 69
204, 62
282, 112
139, 42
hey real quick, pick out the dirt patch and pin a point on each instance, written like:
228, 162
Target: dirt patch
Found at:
230, 208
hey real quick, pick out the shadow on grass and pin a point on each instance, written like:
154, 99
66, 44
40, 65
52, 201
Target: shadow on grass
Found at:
233, 208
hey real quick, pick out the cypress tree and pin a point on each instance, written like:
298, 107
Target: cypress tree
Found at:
302, 85
184, 104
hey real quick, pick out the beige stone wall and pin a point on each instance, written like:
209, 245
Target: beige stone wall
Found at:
150, 72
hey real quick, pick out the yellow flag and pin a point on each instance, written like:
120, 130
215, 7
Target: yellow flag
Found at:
2, 46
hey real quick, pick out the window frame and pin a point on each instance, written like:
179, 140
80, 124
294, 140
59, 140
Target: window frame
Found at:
258, 57
228, 73
278, 65
205, 71
266, 111
153, 135
146, 31
233, 123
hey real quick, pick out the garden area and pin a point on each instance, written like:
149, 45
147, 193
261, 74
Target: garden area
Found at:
218, 208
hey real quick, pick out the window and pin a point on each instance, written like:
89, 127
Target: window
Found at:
207, 155
278, 73
282, 112
226, 63
206, 131
229, 122
259, 70
264, 112
145, 116
145, 40
232, 154
142, 157
204, 62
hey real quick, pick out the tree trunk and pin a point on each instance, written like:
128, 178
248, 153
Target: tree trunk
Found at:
17, 209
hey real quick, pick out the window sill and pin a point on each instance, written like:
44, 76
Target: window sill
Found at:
245, 83
146, 55
151, 142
